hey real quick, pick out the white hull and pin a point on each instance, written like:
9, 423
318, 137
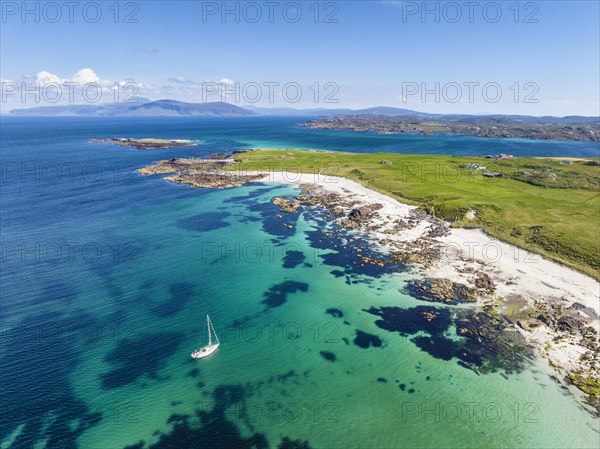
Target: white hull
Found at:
205, 351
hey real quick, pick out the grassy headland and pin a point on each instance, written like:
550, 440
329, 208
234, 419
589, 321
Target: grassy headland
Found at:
548, 206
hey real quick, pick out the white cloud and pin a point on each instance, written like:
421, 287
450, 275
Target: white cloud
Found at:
226, 81
85, 76
44, 78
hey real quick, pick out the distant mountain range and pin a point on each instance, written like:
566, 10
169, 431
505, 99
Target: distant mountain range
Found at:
142, 107
146, 107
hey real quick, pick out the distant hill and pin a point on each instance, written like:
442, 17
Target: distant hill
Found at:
140, 108
385, 110
378, 110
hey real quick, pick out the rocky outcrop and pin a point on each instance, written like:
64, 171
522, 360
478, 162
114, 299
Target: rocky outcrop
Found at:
200, 173
441, 290
359, 216
287, 206
484, 281
569, 324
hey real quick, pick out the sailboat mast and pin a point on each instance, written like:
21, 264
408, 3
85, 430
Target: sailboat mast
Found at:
208, 327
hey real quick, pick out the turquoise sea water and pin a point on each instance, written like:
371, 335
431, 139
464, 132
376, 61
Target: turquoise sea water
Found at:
106, 279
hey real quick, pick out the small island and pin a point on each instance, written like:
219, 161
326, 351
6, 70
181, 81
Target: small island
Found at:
146, 143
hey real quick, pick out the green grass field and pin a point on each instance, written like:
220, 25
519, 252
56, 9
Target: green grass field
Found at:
549, 206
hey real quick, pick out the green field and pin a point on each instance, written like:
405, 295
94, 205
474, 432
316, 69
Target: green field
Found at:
549, 206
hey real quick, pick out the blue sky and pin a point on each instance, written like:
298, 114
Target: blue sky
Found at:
372, 53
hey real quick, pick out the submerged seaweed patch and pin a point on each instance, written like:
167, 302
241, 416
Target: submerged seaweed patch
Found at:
134, 358
293, 258
286, 443
277, 295
337, 313
179, 294
212, 428
433, 320
271, 224
352, 256
329, 356
204, 222
436, 346
36, 390
364, 340
482, 342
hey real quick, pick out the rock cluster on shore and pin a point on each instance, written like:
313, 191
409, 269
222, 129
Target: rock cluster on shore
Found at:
287, 206
442, 290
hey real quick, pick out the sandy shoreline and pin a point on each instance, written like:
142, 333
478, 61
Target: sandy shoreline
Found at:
524, 281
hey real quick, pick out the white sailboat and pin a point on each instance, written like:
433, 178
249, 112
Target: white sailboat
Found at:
210, 347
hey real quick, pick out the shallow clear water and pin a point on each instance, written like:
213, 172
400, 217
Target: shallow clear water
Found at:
107, 277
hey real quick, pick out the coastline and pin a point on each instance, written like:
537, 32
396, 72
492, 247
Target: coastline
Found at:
553, 308
527, 286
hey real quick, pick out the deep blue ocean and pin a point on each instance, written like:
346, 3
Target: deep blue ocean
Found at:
106, 278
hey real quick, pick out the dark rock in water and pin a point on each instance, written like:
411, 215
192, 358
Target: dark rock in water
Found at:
402, 387
429, 319
411, 390
337, 313
139, 445
329, 356
364, 340
488, 345
382, 380
277, 295
200, 384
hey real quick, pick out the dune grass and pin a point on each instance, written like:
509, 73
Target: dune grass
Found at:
548, 206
